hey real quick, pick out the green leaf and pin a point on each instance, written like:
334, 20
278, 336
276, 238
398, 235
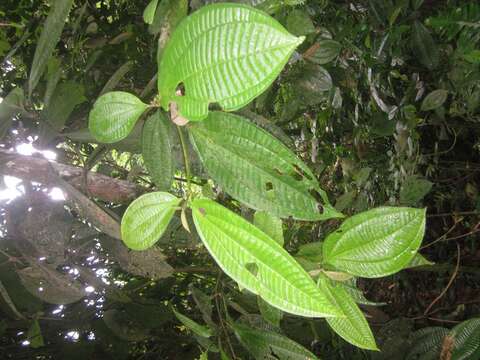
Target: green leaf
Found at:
11, 105
300, 23
270, 345
270, 225
351, 288
257, 169
271, 314
434, 100
54, 74
34, 335
323, 51
424, 46
223, 53
51, 286
64, 100
354, 327
427, 343
418, 260
377, 242
168, 15
49, 38
116, 77
257, 262
195, 327
311, 251
467, 340
114, 116
157, 150
149, 13
413, 190
147, 218
204, 304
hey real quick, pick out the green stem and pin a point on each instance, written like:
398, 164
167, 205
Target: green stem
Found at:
186, 161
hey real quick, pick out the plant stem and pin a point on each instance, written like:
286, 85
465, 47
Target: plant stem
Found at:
186, 161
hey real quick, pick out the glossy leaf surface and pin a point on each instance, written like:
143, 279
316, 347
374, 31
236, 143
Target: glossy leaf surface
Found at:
257, 169
147, 218
257, 262
223, 53
157, 150
354, 327
270, 345
114, 115
377, 242
467, 340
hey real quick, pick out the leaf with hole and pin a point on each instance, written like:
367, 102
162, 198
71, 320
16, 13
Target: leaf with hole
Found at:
353, 327
377, 242
257, 262
257, 169
264, 344
114, 115
51, 32
223, 53
147, 218
157, 150
434, 100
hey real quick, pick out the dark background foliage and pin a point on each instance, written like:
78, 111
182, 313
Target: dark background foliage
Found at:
351, 103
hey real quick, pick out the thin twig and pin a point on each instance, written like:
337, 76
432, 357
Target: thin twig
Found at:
461, 213
450, 282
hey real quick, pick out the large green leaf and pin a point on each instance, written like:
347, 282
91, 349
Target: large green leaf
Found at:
114, 115
270, 345
147, 218
377, 242
157, 150
467, 340
427, 343
257, 262
257, 169
354, 327
223, 53
49, 38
